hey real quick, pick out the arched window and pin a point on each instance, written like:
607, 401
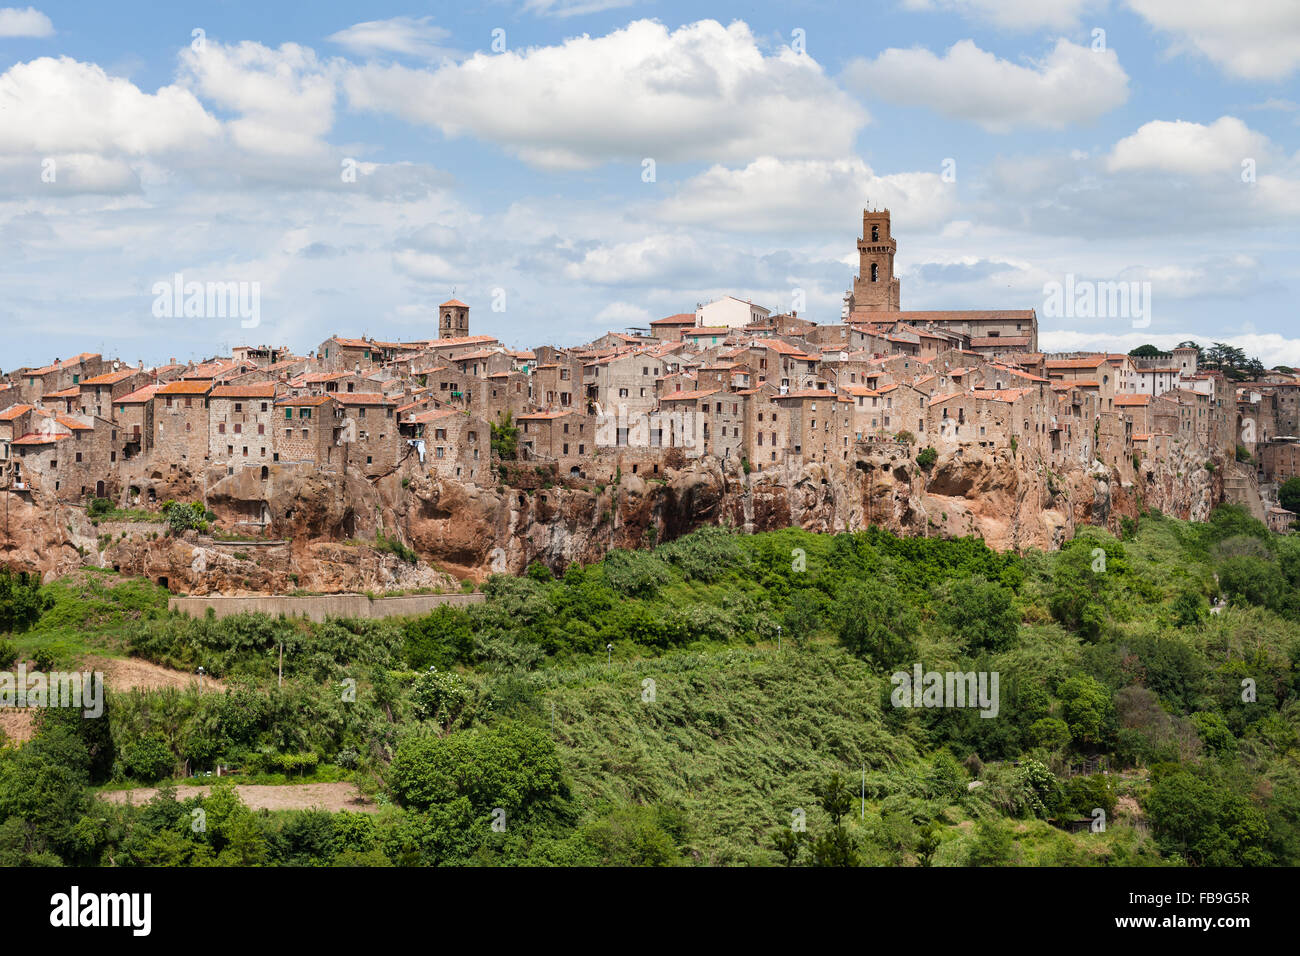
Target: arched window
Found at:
875, 272
875, 233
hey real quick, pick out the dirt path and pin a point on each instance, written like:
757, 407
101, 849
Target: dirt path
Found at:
290, 796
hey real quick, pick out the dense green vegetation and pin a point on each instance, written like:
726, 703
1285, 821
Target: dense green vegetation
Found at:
720, 699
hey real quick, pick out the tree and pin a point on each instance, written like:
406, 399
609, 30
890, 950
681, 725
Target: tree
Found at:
803, 615
511, 766
183, 517
1146, 351
876, 622
788, 843
1204, 824
505, 437
1289, 494
992, 845
980, 612
1088, 709
21, 602
836, 798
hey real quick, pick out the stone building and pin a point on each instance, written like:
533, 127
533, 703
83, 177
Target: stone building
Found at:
240, 423
369, 425
180, 424
134, 416
453, 320
875, 287
99, 392
307, 432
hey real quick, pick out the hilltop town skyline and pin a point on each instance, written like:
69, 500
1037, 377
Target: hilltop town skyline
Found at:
359, 173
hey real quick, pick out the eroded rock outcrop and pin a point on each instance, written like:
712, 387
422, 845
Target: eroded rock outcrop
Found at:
326, 523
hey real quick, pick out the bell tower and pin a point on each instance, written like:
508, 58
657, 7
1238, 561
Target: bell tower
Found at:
875, 289
453, 320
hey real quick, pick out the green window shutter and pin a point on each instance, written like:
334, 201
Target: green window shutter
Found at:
288, 413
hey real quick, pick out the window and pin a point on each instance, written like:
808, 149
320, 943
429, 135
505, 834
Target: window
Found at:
288, 413
875, 272
239, 406
221, 428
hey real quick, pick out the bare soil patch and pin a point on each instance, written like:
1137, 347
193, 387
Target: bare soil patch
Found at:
19, 725
132, 673
290, 796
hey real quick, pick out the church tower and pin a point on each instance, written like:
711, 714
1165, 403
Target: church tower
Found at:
453, 320
875, 289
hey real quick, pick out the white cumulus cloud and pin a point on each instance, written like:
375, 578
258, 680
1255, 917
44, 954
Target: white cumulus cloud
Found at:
806, 195
28, 22
1178, 146
63, 105
1070, 84
702, 91
1259, 40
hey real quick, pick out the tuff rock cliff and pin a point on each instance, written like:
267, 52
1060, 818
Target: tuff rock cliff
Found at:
317, 531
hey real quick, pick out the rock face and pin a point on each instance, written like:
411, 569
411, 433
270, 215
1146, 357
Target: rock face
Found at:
326, 523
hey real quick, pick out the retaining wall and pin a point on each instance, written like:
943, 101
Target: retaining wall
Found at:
320, 606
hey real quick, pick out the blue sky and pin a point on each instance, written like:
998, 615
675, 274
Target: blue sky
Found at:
500, 150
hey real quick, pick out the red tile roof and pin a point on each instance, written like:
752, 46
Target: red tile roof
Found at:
252, 390
362, 398
683, 395
186, 387
139, 395
306, 400
111, 378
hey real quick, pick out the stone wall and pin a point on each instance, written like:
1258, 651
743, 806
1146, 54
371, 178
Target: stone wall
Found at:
319, 607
